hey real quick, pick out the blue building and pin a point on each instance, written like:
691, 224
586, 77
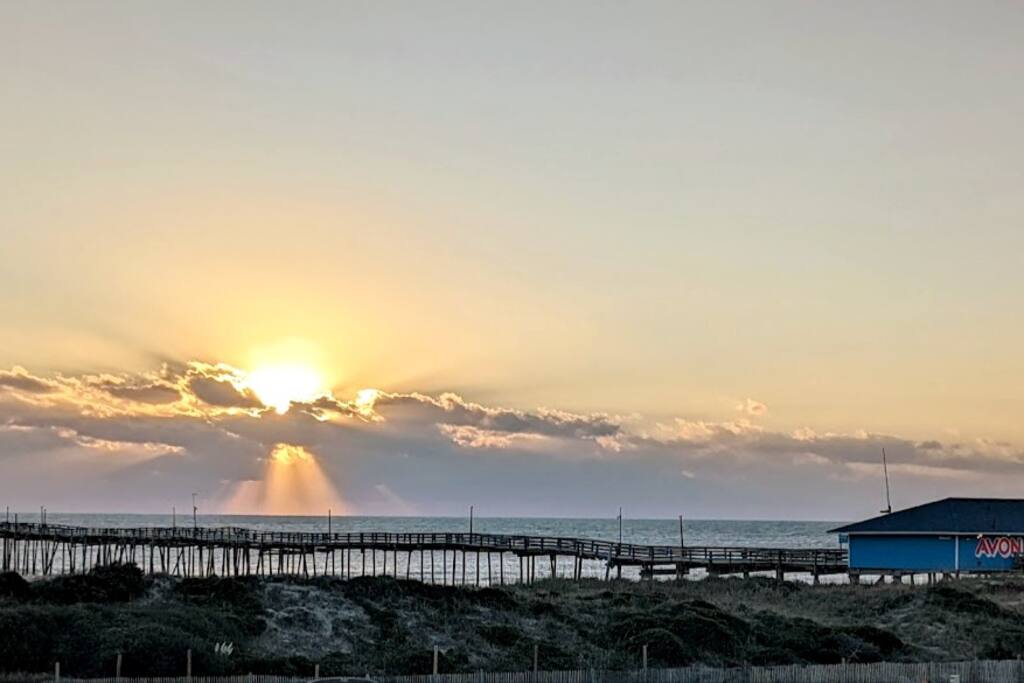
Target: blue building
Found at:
949, 536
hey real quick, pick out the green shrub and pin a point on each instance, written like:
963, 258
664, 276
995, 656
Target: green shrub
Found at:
13, 586
106, 584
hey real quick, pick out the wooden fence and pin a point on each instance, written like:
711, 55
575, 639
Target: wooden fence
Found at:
1008, 671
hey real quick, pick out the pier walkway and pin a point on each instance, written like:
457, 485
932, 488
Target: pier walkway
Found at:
436, 557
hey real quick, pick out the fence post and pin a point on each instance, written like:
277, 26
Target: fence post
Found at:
56, 672
188, 665
316, 671
536, 649
645, 657
435, 660
117, 673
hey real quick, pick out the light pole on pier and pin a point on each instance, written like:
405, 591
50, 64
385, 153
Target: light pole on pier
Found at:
470, 519
620, 525
195, 510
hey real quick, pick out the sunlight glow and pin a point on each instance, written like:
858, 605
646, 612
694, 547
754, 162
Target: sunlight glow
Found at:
278, 386
286, 454
293, 483
365, 399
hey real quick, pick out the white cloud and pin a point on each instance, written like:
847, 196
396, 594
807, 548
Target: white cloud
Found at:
753, 408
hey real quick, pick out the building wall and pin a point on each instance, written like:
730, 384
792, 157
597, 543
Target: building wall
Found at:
934, 553
922, 553
989, 553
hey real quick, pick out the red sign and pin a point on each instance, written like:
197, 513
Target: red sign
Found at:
999, 546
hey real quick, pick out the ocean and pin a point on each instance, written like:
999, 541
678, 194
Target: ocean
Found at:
711, 532
696, 532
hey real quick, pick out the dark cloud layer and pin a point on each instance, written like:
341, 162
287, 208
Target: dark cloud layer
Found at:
145, 393
454, 410
221, 393
143, 442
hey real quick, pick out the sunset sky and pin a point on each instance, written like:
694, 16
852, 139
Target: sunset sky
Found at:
544, 258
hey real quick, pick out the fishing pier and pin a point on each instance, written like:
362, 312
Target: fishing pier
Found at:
433, 557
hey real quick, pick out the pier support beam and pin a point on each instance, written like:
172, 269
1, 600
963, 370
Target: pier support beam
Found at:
200, 552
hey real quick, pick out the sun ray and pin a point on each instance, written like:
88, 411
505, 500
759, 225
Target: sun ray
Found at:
293, 483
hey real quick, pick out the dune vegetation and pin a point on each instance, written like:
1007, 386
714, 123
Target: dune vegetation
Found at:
384, 625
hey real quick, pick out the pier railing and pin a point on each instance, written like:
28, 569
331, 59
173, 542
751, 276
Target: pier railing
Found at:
306, 541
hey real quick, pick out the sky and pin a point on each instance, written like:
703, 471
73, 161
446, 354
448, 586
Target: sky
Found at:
700, 258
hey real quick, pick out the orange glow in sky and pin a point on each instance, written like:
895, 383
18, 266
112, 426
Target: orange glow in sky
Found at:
293, 483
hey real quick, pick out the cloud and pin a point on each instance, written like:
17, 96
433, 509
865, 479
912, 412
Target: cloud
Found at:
222, 393
145, 393
18, 440
474, 437
220, 386
713, 433
21, 440
810, 459
452, 409
19, 379
753, 408
142, 441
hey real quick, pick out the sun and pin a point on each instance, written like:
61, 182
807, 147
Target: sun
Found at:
280, 385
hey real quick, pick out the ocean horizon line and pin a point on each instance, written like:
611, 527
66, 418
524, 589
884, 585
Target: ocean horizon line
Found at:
476, 517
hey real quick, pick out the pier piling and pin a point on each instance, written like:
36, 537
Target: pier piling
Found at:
38, 549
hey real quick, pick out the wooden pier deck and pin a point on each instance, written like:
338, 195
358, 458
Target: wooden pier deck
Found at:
436, 557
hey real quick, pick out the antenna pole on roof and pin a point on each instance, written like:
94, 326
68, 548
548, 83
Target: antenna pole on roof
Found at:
888, 500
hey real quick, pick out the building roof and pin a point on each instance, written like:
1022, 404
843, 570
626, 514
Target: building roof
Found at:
949, 515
